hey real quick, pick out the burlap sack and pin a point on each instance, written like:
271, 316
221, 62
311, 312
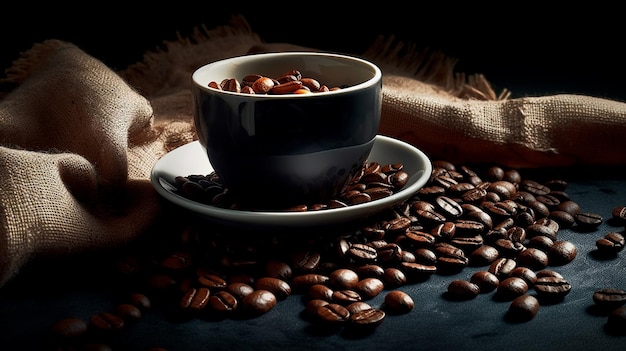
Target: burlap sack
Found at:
78, 141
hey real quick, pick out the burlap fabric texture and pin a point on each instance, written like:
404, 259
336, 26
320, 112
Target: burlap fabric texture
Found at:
78, 140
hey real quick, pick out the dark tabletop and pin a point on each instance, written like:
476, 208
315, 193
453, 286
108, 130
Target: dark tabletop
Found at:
82, 286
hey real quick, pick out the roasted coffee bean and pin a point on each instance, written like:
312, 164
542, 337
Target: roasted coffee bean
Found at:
177, 261
609, 298
563, 218
378, 244
533, 258
420, 238
481, 217
369, 271
362, 253
611, 243
366, 319
494, 173
466, 227
443, 231
305, 260
212, 281
556, 184
548, 273
430, 216
562, 252
569, 206
431, 191
512, 175
345, 297
231, 84
516, 234
552, 287
343, 278
502, 267
262, 85
390, 253
304, 281
523, 307
394, 277
549, 200
161, 282
525, 273
467, 243
320, 292
550, 223
524, 197
508, 247
560, 194
288, 87
333, 314
195, 299
486, 281
474, 195
449, 207
461, 188
398, 302
258, 302
493, 235
504, 225
276, 286
369, 288
619, 215
251, 78
356, 198
534, 187
358, 306
278, 269
510, 288
459, 289
588, 220
538, 229
483, 255
503, 188
425, 256
398, 179
372, 234
106, 321
417, 271
128, 312
396, 226
525, 218
141, 301
223, 302
239, 289
445, 181
540, 242
616, 322
539, 209
69, 328
311, 307
450, 258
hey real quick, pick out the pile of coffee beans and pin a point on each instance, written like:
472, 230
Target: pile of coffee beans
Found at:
491, 219
291, 82
374, 181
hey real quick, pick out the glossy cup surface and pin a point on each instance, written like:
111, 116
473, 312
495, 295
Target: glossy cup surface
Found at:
282, 150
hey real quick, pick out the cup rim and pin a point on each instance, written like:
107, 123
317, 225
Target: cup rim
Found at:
375, 79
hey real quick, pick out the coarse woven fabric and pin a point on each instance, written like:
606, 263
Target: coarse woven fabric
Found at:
78, 140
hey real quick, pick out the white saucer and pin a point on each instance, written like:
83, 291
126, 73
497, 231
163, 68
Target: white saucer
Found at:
190, 159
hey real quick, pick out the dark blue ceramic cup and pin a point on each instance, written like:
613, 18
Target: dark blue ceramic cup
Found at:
274, 151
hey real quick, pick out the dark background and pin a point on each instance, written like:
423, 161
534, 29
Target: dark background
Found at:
526, 48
